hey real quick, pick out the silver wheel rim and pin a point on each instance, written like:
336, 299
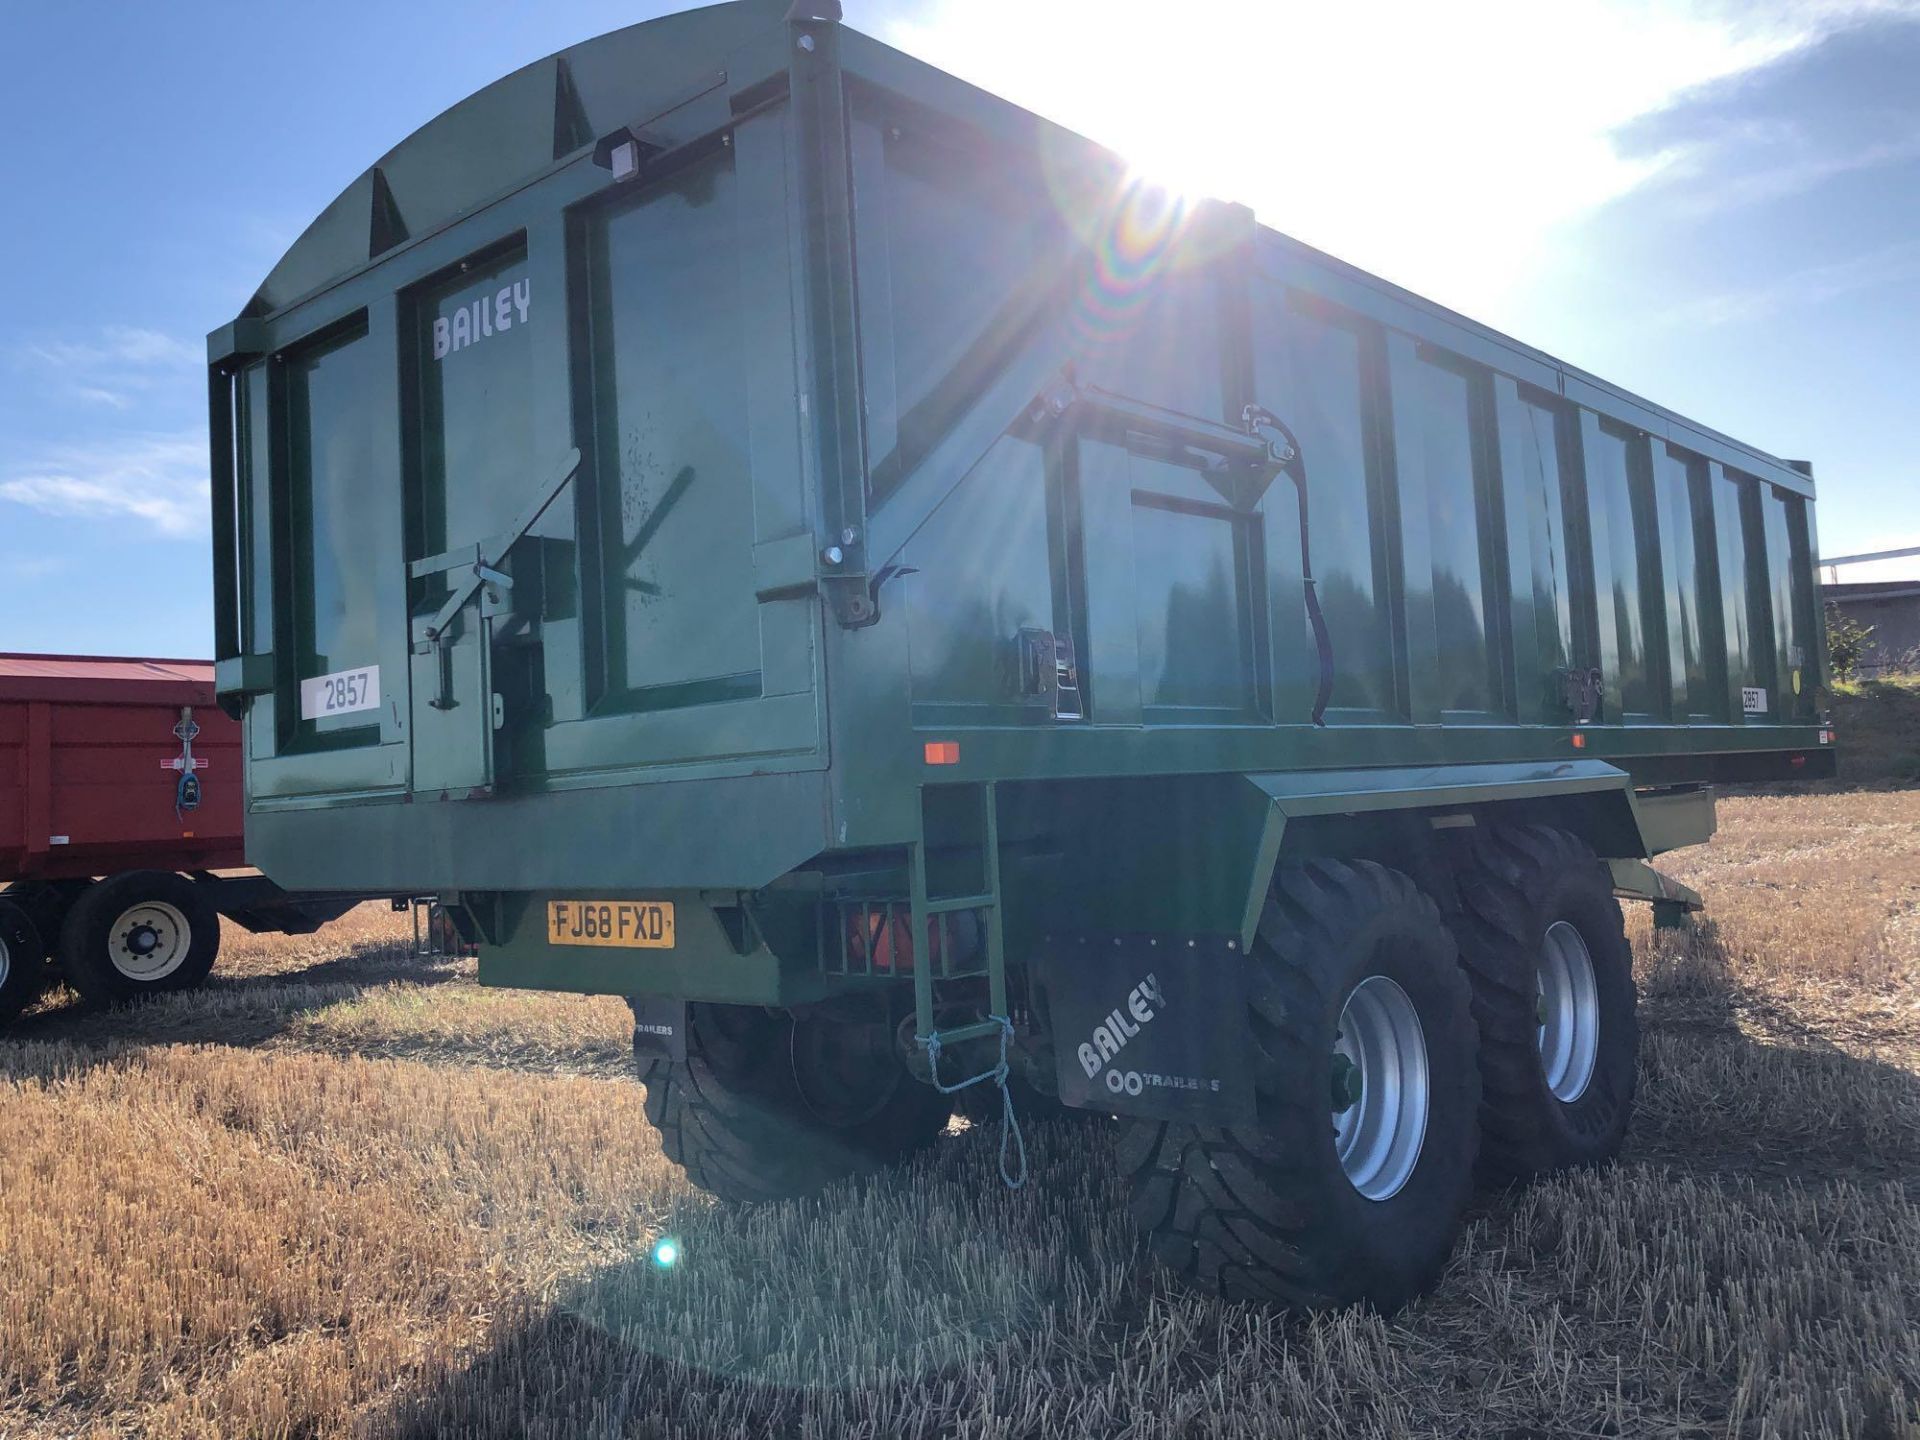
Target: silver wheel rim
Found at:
1569, 1012
6, 961
1381, 1091
149, 941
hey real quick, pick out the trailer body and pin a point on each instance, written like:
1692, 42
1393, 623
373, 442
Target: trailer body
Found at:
770, 530
695, 467
88, 779
121, 832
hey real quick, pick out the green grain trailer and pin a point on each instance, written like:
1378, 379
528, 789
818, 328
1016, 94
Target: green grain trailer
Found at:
780, 534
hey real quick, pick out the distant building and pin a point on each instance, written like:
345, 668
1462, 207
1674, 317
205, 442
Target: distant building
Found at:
1892, 608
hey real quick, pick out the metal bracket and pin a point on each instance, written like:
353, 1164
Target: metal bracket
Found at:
851, 599
1580, 692
1239, 463
481, 564
235, 343
186, 794
1672, 902
1049, 671
240, 677
1263, 424
483, 560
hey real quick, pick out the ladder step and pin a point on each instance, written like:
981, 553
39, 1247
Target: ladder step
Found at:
925, 911
963, 902
960, 1034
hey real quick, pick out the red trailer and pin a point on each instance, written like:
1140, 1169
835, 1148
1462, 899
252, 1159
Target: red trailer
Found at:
120, 799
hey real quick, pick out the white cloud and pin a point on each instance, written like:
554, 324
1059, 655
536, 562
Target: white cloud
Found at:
112, 399
1442, 146
20, 568
1756, 162
111, 367
1813, 285
116, 346
158, 480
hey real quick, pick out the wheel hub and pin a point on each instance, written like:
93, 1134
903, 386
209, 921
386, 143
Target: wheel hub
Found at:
1380, 1088
1569, 1011
1346, 1083
844, 1069
150, 941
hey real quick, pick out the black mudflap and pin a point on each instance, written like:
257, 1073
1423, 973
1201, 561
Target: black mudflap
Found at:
659, 1028
1151, 1025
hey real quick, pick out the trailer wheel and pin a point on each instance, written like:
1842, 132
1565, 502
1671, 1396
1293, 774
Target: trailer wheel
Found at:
23, 961
1541, 938
1351, 1186
768, 1106
146, 932
46, 903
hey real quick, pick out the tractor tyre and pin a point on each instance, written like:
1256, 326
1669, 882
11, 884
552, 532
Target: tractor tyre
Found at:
770, 1105
1541, 939
1350, 1185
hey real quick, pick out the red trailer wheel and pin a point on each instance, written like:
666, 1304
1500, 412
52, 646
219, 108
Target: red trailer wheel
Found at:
142, 933
23, 961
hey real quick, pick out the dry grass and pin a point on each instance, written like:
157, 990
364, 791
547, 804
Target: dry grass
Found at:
347, 1192
1815, 912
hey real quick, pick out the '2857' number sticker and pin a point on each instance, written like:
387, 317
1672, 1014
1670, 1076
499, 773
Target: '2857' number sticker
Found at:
341, 693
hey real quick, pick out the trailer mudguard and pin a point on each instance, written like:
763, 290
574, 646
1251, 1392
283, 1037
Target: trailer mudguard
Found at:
1193, 855
1590, 798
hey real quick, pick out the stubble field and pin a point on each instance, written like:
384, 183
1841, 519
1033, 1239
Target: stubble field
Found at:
347, 1191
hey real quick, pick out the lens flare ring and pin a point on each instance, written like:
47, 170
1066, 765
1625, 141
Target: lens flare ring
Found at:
1133, 244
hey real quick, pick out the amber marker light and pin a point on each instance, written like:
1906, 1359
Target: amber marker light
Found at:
943, 752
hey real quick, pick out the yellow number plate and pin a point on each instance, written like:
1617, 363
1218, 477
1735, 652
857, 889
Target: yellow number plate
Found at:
629, 924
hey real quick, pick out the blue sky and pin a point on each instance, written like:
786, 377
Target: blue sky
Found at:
1717, 205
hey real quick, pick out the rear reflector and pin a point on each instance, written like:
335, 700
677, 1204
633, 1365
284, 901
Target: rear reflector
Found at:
943, 752
1579, 741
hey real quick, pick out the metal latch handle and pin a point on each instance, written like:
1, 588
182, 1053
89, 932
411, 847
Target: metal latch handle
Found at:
483, 560
1048, 670
482, 567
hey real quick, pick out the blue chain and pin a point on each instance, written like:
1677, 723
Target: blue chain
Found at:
1009, 1122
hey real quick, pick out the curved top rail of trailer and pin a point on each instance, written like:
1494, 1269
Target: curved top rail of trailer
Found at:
548, 114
